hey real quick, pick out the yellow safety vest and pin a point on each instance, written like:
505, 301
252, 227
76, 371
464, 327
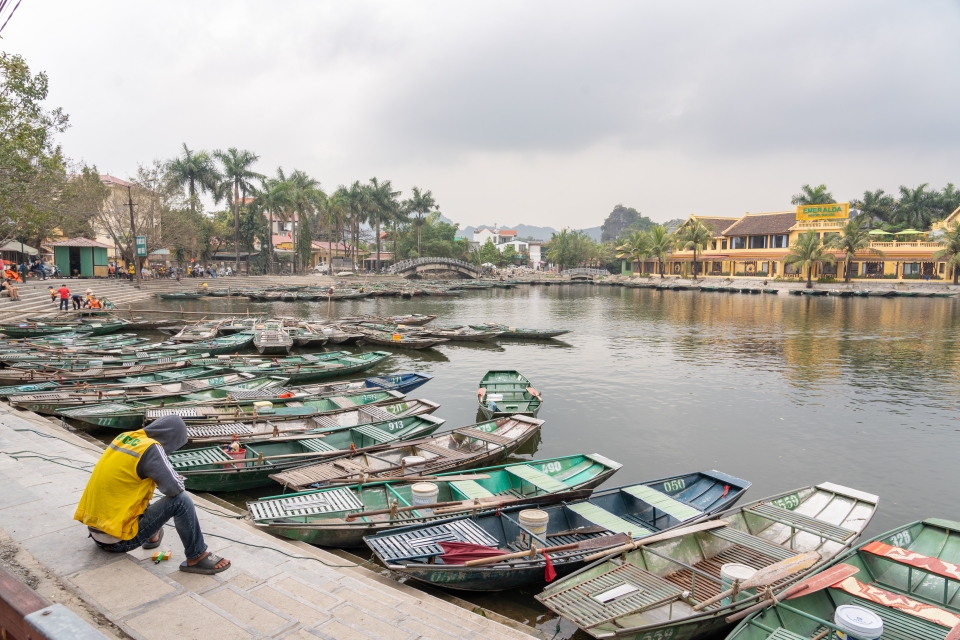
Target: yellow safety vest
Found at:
115, 496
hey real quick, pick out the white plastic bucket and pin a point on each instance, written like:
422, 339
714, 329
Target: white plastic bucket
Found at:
857, 623
734, 571
534, 521
410, 463
425, 493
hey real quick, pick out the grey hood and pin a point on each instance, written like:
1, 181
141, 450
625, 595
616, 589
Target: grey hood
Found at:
169, 431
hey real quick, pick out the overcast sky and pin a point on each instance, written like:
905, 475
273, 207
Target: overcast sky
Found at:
545, 113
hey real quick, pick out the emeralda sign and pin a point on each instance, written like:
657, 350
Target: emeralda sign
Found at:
823, 211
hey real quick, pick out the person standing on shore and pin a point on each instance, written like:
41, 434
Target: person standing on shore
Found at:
64, 298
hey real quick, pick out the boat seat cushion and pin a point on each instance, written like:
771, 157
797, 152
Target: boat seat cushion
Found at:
914, 559
537, 478
601, 517
663, 502
900, 603
470, 489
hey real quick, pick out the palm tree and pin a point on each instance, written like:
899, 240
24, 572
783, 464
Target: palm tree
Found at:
384, 204
876, 205
306, 197
661, 243
336, 214
694, 235
420, 204
636, 246
359, 199
273, 197
237, 174
193, 171
951, 250
852, 238
807, 251
916, 207
813, 195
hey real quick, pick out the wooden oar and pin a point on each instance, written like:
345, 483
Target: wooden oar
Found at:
768, 575
821, 581
592, 543
667, 535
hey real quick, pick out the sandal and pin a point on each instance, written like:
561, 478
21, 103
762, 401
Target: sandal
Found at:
154, 545
207, 566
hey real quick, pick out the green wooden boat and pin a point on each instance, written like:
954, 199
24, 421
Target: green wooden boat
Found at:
132, 415
162, 377
317, 517
505, 393
398, 340
26, 376
908, 578
515, 333
181, 295
34, 329
223, 344
464, 448
264, 428
271, 338
86, 342
663, 581
329, 368
202, 473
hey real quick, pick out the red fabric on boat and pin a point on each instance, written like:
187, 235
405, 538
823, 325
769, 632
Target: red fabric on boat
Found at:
549, 573
726, 490
914, 559
460, 552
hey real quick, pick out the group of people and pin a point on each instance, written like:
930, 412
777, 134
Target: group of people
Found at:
87, 301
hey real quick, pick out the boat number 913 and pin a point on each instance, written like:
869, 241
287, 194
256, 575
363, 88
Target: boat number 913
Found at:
662, 634
393, 426
672, 486
550, 467
789, 502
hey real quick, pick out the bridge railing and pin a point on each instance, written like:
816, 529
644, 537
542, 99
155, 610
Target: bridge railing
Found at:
403, 265
585, 271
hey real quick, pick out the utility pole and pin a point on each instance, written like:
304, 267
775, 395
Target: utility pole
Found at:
133, 232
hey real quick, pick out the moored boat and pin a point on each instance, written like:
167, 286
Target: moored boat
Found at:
181, 295
503, 393
463, 335
606, 519
506, 332
271, 338
320, 368
319, 517
398, 340
199, 331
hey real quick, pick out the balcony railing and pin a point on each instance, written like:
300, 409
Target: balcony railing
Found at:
820, 224
926, 244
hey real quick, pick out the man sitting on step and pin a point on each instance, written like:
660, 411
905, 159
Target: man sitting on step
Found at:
116, 506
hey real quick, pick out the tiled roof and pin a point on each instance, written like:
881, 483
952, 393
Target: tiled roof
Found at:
507, 232
719, 225
338, 246
110, 180
79, 242
759, 224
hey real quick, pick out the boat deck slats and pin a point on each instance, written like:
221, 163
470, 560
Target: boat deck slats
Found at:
332, 501
422, 543
310, 357
243, 394
599, 516
579, 602
219, 430
99, 409
663, 502
484, 436
40, 397
470, 489
901, 626
443, 452
306, 476
377, 435
197, 457
803, 523
378, 414
326, 422
183, 412
785, 634
317, 445
537, 478
753, 543
342, 402
705, 588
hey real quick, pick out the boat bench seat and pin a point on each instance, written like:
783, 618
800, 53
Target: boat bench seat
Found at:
470, 489
197, 457
537, 478
423, 542
914, 559
753, 543
901, 626
308, 504
377, 435
663, 502
601, 517
803, 523
219, 430
377, 414
317, 444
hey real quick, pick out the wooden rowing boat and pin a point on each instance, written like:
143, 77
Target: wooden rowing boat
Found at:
507, 332
463, 335
199, 331
464, 448
608, 517
670, 585
322, 368
906, 577
181, 295
24, 376
504, 393
398, 340
319, 517
271, 338
203, 469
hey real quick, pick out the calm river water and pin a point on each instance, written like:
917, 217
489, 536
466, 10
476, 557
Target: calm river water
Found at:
784, 391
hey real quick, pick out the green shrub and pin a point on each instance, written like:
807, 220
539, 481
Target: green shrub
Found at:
739, 273
826, 279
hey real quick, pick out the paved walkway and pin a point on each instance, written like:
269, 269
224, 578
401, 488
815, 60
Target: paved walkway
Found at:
274, 589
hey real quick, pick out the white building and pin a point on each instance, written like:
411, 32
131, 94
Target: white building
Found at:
495, 235
534, 249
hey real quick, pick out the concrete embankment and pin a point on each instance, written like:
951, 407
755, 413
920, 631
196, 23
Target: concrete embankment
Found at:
274, 588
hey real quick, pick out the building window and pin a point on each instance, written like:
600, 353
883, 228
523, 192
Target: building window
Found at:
713, 245
758, 242
723, 245
828, 269
739, 242
779, 242
911, 268
717, 268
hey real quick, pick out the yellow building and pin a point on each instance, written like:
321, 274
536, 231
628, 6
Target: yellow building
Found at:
756, 244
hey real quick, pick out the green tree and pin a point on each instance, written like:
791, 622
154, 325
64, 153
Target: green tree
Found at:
916, 207
237, 177
951, 250
420, 204
695, 236
273, 197
813, 195
808, 250
358, 197
336, 216
852, 238
384, 205
195, 171
509, 254
305, 198
634, 247
661, 244
489, 253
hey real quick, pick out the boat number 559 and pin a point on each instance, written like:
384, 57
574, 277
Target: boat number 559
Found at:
662, 634
789, 502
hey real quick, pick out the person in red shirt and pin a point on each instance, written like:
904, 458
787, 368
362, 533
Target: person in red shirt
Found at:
64, 298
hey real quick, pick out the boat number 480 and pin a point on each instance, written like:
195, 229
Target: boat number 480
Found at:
662, 634
550, 467
672, 486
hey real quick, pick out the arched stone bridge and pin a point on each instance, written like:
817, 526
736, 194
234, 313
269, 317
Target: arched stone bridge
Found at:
408, 268
584, 273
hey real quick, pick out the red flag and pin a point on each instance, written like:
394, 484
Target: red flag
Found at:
726, 490
549, 573
460, 552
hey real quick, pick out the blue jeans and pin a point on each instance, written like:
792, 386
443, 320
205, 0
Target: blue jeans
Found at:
64, 304
180, 508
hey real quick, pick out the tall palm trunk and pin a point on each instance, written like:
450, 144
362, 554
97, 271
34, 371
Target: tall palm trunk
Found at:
419, 229
330, 247
810, 277
846, 270
236, 225
378, 245
270, 243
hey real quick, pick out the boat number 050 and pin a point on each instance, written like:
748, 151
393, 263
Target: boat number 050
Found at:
663, 634
393, 426
550, 467
672, 486
789, 502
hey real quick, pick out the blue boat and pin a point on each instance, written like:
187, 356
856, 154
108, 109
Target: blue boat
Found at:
632, 511
402, 382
